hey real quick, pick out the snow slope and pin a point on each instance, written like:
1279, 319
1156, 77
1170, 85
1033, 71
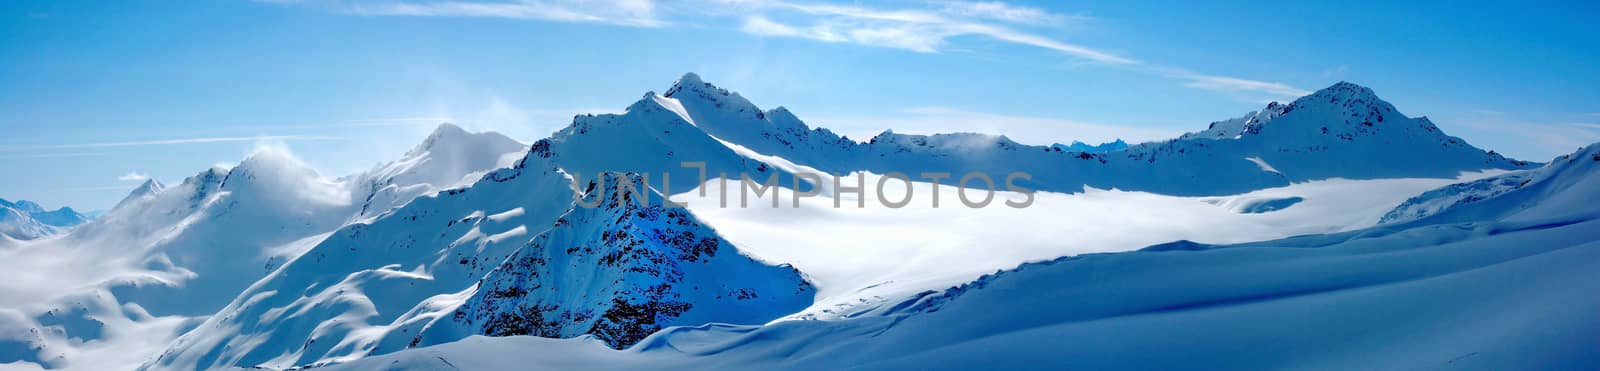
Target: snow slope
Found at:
1509, 194
1460, 289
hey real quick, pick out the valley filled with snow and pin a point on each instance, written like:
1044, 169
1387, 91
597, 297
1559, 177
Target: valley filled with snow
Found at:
1332, 231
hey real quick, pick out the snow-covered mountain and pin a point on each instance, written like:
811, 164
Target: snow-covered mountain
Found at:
1544, 191
372, 286
1505, 280
621, 271
462, 262
26, 220
178, 254
447, 158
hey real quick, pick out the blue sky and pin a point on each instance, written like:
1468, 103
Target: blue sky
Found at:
97, 95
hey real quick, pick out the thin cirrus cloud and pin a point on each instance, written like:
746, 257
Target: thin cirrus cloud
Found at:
1008, 13
55, 155
920, 30
932, 30
637, 13
134, 177
1233, 85
165, 142
933, 27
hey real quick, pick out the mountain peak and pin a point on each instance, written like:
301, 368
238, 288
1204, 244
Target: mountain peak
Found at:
443, 133
1346, 89
1355, 104
703, 99
689, 78
692, 82
446, 128
150, 187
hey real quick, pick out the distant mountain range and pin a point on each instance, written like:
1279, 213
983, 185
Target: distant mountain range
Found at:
25, 220
1077, 146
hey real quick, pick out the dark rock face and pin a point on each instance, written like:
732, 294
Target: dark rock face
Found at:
622, 271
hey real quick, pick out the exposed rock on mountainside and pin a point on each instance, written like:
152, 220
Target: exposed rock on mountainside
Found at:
621, 271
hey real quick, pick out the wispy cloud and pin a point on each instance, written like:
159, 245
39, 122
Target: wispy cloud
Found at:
927, 27
166, 142
932, 30
134, 177
56, 155
762, 26
1235, 85
420, 121
926, 30
999, 11
636, 13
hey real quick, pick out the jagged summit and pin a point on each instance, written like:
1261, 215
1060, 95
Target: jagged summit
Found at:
692, 82
150, 188
445, 133
690, 90
1354, 100
688, 79
1346, 88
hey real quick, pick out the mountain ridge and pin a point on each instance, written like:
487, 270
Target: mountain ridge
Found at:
26, 220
